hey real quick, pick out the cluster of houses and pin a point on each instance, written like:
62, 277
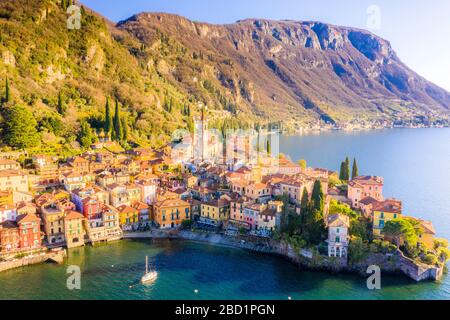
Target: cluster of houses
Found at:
365, 194
98, 195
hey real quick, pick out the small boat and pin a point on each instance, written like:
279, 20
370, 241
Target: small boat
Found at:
148, 277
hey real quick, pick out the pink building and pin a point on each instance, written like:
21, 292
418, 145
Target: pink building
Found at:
365, 186
237, 209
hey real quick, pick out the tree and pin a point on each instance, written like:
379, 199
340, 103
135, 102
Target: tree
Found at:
86, 136
344, 172
20, 128
125, 129
302, 163
347, 169
268, 147
60, 108
304, 205
354, 169
117, 132
312, 223
7, 93
357, 250
317, 198
402, 230
108, 118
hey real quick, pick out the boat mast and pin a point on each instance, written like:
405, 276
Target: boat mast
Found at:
146, 264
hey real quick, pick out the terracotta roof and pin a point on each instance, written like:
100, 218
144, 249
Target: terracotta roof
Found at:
72, 215
368, 200
172, 203
125, 209
29, 217
388, 205
338, 220
140, 205
217, 203
268, 212
258, 186
366, 180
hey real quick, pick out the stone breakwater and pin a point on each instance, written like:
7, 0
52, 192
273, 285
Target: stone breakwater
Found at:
395, 263
57, 257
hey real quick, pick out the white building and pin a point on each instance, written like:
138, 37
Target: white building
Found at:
8, 213
338, 236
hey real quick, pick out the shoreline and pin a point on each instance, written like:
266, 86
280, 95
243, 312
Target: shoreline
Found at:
394, 265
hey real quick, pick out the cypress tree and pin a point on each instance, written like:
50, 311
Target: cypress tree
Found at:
108, 118
347, 169
342, 171
117, 132
60, 108
125, 129
304, 205
317, 198
354, 169
7, 94
268, 147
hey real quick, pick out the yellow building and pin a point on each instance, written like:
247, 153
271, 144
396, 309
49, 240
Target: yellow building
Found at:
384, 211
73, 229
428, 233
53, 218
169, 213
217, 210
6, 198
128, 216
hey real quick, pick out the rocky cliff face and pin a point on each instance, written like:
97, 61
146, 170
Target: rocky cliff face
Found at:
305, 68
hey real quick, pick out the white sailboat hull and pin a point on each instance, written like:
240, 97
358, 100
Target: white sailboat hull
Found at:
149, 277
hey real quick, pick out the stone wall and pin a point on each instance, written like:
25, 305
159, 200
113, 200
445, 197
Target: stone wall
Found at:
57, 257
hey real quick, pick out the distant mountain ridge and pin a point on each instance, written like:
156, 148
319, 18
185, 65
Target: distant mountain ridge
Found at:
311, 65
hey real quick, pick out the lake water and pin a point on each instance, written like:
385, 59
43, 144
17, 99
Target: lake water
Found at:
416, 168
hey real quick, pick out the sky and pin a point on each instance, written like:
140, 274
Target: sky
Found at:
419, 30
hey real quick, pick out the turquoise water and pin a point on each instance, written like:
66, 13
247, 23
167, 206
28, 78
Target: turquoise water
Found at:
215, 272
416, 168
415, 164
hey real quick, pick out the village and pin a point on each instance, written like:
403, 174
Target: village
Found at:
100, 196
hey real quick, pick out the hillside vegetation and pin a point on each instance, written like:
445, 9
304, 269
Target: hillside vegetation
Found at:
155, 69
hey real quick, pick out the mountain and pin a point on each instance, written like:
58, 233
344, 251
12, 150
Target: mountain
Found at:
302, 69
159, 66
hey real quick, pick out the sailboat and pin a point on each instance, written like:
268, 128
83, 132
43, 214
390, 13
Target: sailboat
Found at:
149, 276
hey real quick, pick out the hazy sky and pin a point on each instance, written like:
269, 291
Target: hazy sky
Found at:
419, 30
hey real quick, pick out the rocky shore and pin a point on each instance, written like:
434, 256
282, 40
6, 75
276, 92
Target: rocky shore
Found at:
395, 263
